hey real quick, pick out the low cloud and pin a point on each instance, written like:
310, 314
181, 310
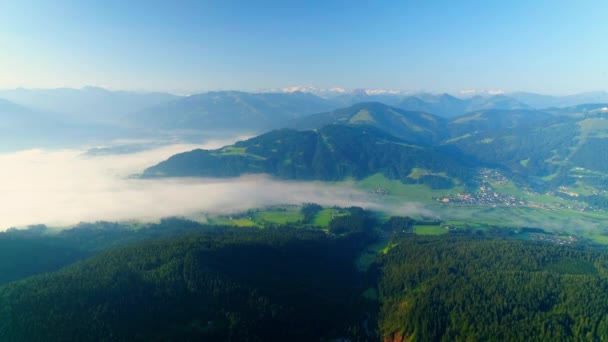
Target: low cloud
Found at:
64, 187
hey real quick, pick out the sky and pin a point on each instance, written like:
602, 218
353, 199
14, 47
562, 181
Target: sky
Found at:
553, 47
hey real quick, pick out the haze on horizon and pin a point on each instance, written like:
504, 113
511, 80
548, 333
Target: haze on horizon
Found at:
551, 47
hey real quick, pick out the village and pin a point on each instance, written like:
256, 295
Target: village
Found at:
485, 197
554, 239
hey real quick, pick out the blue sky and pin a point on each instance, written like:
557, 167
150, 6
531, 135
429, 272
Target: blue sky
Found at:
554, 47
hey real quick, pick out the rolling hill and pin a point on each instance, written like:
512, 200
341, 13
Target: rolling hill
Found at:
416, 127
186, 281
231, 284
497, 119
541, 150
331, 153
553, 148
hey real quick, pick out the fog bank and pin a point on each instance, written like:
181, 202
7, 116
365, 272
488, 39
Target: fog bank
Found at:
64, 187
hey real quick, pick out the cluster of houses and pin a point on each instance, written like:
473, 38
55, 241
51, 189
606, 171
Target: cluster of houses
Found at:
486, 196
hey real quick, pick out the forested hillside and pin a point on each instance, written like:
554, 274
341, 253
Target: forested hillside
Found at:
331, 153
543, 149
537, 149
463, 288
228, 284
298, 282
415, 127
39, 249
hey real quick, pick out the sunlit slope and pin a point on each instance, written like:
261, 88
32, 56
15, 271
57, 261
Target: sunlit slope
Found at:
331, 153
413, 126
560, 148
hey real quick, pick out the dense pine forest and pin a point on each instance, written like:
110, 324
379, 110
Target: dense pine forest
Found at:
463, 288
331, 153
203, 283
179, 280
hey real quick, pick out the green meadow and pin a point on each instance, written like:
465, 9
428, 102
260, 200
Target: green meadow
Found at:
429, 230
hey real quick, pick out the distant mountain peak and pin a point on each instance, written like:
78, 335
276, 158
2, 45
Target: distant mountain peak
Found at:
414, 126
484, 92
314, 90
336, 91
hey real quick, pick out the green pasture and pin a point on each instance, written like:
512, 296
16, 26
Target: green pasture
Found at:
429, 230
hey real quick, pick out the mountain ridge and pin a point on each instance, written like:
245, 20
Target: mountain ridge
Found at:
230, 109
331, 153
416, 127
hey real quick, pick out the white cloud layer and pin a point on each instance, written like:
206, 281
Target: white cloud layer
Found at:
64, 187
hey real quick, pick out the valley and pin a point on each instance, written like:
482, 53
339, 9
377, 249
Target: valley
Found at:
288, 216
329, 171
516, 168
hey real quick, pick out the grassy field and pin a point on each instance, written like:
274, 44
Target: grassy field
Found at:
362, 116
511, 188
417, 173
398, 191
275, 215
594, 127
558, 215
324, 217
241, 222
429, 230
516, 216
279, 216
260, 217
601, 239
234, 150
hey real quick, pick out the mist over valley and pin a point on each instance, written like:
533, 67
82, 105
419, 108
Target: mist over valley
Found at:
303, 171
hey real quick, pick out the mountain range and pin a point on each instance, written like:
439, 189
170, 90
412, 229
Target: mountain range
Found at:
538, 149
230, 110
217, 108
414, 126
546, 101
24, 128
89, 104
546, 146
297, 280
331, 153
